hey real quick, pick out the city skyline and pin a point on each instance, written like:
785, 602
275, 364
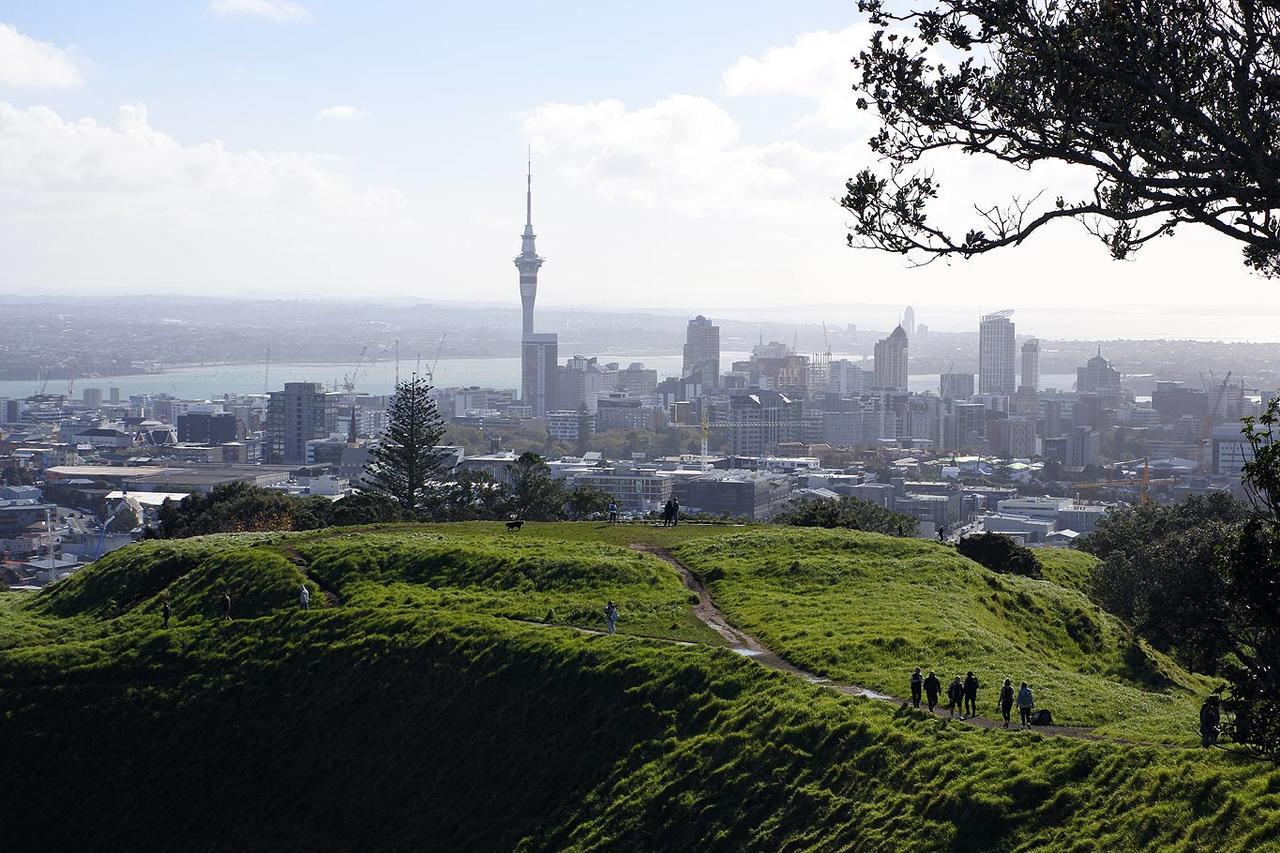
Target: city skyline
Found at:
346, 191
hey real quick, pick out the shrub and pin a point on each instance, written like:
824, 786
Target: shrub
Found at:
1000, 553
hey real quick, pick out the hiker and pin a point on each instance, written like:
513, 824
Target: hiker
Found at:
166, 611
917, 685
1006, 701
955, 696
1025, 703
971, 694
669, 513
304, 597
226, 606
942, 533
613, 512
932, 687
1210, 720
675, 511
611, 616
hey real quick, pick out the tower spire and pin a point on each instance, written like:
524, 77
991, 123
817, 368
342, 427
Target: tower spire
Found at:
528, 192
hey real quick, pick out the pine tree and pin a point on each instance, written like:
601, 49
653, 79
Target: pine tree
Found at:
406, 459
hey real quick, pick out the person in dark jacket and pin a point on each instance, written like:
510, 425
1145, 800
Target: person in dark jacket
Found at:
932, 687
971, 695
1006, 701
1210, 722
955, 696
166, 611
917, 685
675, 511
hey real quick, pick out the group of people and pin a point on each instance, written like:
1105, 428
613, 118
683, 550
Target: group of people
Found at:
304, 601
671, 512
962, 695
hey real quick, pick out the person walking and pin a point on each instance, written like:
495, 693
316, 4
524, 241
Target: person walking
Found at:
932, 687
611, 616
1006, 701
613, 512
971, 694
226, 606
304, 597
955, 696
675, 511
666, 513
1210, 722
917, 685
1026, 701
166, 610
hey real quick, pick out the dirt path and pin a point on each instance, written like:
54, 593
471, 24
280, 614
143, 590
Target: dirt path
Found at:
331, 596
748, 646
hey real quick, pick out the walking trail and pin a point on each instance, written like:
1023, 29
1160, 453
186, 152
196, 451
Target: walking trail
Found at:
744, 644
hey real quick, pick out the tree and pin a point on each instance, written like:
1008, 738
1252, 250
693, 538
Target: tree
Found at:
847, 512
406, 458
1000, 553
588, 500
536, 495
1171, 107
237, 507
470, 496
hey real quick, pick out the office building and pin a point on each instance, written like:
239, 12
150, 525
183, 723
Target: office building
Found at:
761, 419
539, 354
996, 349
702, 352
93, 397
1013, 438
909, 320
207, 427
1098, 377
956, 386
891, 361
637, 380
845, 378
301, 412
1030, 365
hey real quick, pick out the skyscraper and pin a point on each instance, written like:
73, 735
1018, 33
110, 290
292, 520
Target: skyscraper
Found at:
996, 354
702, 352
909, 321
299, 413
538, 352
891, 361
1098, 376
1030, 364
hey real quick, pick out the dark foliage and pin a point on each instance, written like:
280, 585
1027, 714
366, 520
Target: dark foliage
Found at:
587, 500
470, 496
849, 513
1172, 107
406, 460
535, 494
244, 508
1000, 553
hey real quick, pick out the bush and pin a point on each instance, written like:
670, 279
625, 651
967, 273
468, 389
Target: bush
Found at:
849, 513
1000, 553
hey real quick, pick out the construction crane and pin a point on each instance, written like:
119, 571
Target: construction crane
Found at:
431, 371
1215, 405
349, 380
1144, 481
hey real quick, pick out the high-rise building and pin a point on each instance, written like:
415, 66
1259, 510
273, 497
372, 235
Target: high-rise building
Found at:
113, 394
1098, 377
844, 377
637, 380
956, 386
702, 352
93, 397
301, 412
1030, 364
891, 361
538, 372
996, 354
762, 419
909, 321
207, 427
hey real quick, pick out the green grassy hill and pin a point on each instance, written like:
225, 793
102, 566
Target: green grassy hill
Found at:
416, 707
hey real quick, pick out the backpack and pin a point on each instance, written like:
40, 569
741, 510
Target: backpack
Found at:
1041, 718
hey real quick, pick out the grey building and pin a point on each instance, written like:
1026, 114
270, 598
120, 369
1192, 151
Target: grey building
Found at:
996, 348
956, 386
702, 352
761, 419
742, 494
891, 361
207, 427
299, 413
538, 372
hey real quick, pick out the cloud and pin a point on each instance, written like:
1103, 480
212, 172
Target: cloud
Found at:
126, 202
276, 10
684, 153
815, 66
340, 113
31, 64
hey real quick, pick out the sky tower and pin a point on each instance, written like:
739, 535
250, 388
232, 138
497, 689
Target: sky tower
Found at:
528, 261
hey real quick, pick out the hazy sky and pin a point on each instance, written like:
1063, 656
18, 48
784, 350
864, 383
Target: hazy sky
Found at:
686, 156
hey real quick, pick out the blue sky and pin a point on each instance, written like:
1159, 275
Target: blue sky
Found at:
686, 157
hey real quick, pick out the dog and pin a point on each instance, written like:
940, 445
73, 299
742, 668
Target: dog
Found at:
514, 525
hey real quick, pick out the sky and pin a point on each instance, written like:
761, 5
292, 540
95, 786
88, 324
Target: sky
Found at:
686, 156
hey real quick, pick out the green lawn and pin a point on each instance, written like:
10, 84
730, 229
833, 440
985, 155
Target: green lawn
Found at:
867, 609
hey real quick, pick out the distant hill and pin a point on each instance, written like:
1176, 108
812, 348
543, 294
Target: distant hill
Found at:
450, 690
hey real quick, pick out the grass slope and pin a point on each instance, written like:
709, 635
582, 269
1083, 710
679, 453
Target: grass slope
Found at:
866, 609
417, 714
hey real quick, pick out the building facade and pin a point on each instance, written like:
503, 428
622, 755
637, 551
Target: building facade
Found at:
702, 352
996, 348
891, 361
299, 413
